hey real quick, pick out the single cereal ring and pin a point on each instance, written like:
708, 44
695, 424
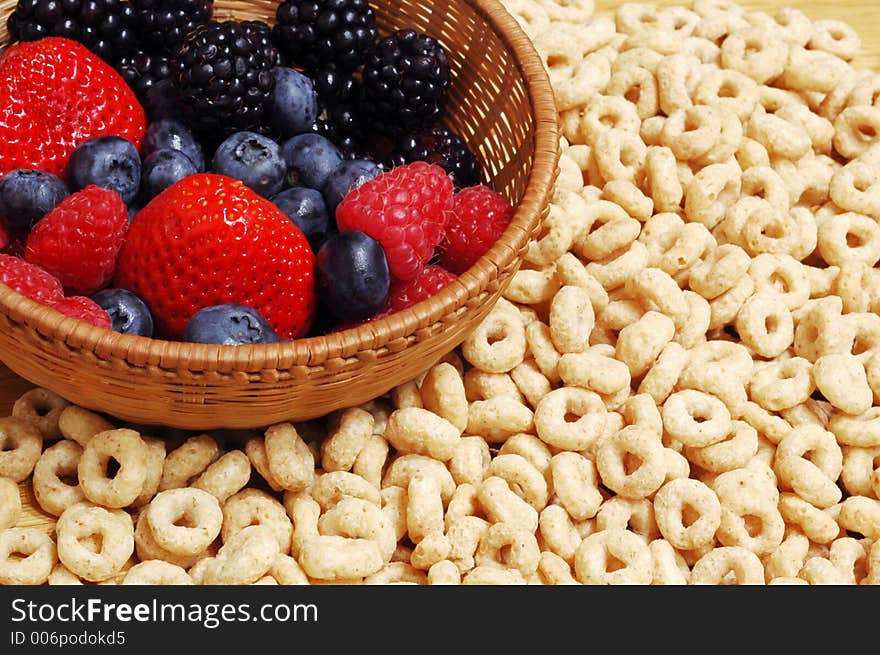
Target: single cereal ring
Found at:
421, 432
502, 505
114, 534
60, 575
155, 468
245, 558
696, 418
339, 558
291, 462
20, 446
42, 408
617, 453
80, 425
558, 532
225, 477
598, 550
156, 572
728, 565
27, 556
522, 476
553, 426
251, 507
185, 521
765, 325
125, 447
856, 129
688, 513
188, 460
633, 515
147, 548
56, 465
810, 461
10, 503
735, 451
509, 546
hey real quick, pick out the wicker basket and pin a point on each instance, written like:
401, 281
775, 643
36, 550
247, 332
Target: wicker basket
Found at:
500, 101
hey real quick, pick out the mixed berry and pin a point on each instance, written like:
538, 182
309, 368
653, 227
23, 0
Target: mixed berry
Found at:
229, 182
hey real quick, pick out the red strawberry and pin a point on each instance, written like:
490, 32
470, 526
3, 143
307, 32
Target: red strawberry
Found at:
84, 309
78, 241
406, 210
209, 240
55, 94
29, 280
479, 217
407, 293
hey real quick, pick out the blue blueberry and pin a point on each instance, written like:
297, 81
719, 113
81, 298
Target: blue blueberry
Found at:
231, 324
171, 133
307, 210
352, 276
163, 168
161, 101
26, 195
128, 313
311, 159
349, 176
254, 159
294, 102
107, 161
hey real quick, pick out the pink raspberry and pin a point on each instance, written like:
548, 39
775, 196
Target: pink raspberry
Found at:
406, 210
479, 216
79, 240
406, 293
84, 309
29, 280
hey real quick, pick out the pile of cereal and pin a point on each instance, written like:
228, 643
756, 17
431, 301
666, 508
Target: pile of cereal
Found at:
680, 386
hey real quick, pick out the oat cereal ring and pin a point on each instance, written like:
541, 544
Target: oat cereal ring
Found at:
856, 129
156, 572
147, 548
444, 573
661, 179
184, 521
719, 271
614, 270
255, 507
155, 463
531, 16
245, 558
424, 507
553, 570
509, 547
862, 431
783, 275
816, 524
835, 37
862, 515
404, 467
735, 451
60, 575
370, 462
571, 320
464, 536
80, 425
498, 343
696, 418
552, 412
339, 558
639, 86
634, 515
765, 325
471, 461
339, 450
188, 460
54, 482
522, 476
600, 28
856, 187
27, 556
849, 237
640, 344
728, 565
502, 505
559, 232
688, 513
809, 461
755, 52
620, 155
605, 113
496, 419
42, 408
114, 534
657, 289
677, 78
630, 197
631, 463
558, 532
661, 378
788, 558
10, 504
594, 372
255, 449
358, 519
717, 25
125, 447
691, 132
670, 567
530, 381
595, 553
493, 575
226, 476
859, 474
291, 461
812, 70
20, 446
841, 378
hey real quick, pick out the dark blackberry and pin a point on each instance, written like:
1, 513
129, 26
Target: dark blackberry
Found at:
440, 146
314, 33
106, 27
162, 24
406, 79
149, 76
338, 113
223, 73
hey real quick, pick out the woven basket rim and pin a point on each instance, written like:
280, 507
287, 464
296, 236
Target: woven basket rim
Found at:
315, 350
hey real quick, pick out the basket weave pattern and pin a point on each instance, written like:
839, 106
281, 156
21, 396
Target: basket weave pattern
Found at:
502, 104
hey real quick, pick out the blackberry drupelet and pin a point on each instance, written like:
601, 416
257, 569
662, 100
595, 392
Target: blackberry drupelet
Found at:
314, 33
106, 27
338, 112
223, 73
406, 80
162, 24
440, 146
142, 71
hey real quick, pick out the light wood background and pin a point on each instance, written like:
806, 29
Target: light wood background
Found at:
863, 15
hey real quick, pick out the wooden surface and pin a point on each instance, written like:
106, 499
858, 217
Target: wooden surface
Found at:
863, 15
